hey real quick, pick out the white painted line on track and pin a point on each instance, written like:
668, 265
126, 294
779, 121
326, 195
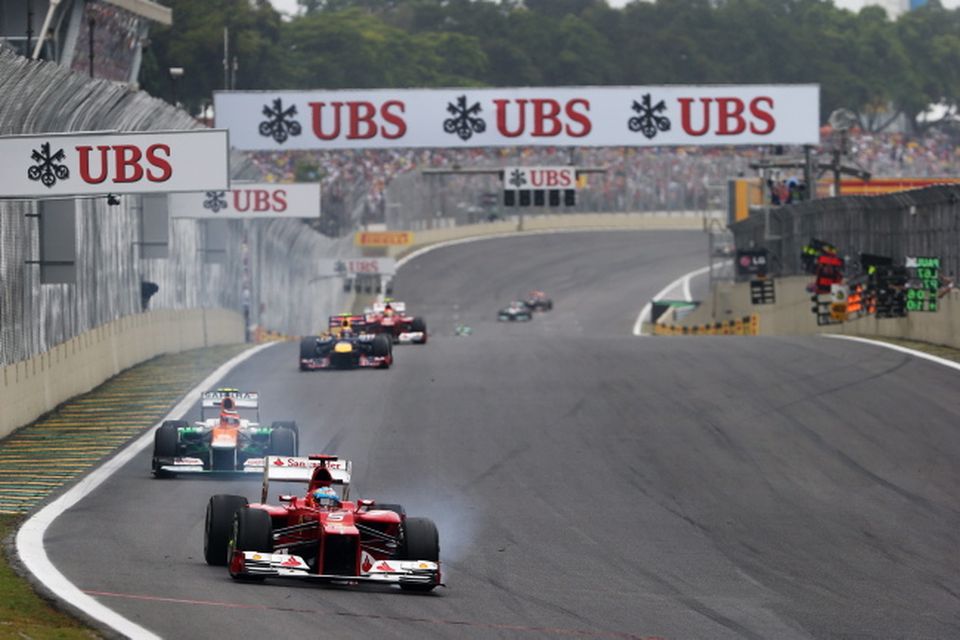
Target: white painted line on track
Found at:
683, 281
29, 542
896, 347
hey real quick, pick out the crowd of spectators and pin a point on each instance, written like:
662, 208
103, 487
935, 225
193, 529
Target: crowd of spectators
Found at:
356, 184
117, 34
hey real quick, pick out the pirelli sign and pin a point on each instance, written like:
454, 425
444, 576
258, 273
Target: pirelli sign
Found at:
383, 238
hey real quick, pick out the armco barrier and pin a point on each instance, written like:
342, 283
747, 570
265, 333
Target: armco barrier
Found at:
29, 388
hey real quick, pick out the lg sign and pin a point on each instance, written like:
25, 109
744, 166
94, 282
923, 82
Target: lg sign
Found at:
590, 116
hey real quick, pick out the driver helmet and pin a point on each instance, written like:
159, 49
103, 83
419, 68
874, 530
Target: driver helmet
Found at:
326, 497
229, 419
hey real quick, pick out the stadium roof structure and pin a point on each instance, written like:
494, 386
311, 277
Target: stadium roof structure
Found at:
146, 9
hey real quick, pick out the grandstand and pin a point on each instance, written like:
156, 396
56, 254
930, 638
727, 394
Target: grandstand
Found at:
368, 186
102, 38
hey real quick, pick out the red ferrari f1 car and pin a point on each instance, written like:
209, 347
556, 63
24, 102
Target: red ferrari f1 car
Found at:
321, 536
390, 318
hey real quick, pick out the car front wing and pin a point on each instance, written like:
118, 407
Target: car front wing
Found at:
278, 565
195, 465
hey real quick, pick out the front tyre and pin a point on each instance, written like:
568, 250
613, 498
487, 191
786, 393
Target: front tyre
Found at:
421, 541
252, 531
218, 525
381, 346
166, 442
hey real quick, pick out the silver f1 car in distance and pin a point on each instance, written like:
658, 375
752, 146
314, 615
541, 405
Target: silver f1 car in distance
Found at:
516, 311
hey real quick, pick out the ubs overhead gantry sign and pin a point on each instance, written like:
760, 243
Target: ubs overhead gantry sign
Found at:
104, 162
531, 116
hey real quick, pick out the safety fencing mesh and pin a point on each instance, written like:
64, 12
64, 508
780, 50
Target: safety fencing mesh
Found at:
923, 222
276, 285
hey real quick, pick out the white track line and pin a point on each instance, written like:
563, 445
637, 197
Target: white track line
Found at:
683, 280
29, 542
896, 347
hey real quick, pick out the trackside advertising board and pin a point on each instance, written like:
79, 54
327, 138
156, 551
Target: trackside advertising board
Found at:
383, 238
102, 162
247, 200
529, 116
347, 267
539, 177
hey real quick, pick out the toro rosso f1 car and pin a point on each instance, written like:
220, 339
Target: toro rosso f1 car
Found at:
348, 344
223, 440
321, 536
391, 319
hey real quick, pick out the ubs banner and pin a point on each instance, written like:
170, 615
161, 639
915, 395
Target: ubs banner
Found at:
249, 201
529, 116
56, 164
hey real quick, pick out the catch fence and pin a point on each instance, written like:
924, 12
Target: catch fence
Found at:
923, 222
265, 267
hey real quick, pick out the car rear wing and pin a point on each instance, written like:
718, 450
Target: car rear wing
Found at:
357, 322
399, 307
299, 469
244, 399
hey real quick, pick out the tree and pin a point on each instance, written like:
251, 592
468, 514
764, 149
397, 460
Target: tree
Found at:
195, 42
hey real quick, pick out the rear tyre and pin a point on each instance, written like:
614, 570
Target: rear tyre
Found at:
166, 441
288, 424
421, 541
218, 525
252, 531
283, 442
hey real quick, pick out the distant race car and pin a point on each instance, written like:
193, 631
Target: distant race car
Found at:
348, 344
390, 318
321, 536
538, 301
515, 311
224, 440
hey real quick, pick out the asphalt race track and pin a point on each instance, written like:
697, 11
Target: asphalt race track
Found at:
586, 483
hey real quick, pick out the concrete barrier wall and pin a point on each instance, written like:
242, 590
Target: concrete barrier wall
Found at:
792, 315
587, 221
35, 386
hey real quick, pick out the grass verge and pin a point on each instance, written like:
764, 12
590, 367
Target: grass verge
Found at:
124, 406
23, 614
